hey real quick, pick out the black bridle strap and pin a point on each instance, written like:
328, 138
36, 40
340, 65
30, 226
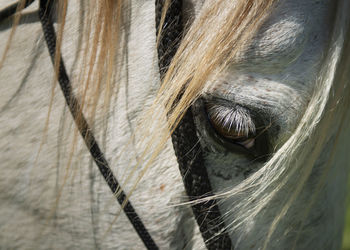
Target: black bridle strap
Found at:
11, 10
90, 141
186, 142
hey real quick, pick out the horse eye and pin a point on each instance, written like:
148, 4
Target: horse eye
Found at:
232, 124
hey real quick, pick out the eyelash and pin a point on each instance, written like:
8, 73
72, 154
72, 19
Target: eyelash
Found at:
234, 123
252, 142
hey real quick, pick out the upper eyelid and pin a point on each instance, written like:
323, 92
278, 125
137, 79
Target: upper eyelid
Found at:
260, 116
235, 117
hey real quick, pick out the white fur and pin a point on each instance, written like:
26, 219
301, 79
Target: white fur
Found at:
276, 74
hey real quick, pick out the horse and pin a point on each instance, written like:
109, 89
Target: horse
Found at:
266, 83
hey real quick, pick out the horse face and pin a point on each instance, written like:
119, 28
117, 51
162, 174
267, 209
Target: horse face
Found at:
267, 88
253, 107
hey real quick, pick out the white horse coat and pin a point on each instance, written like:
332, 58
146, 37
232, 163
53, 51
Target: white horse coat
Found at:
276, 76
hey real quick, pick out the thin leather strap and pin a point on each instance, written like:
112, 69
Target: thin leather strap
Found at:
186, 142
11, 9
90, 141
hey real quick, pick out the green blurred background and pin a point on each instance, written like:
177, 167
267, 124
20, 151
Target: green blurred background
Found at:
346, 237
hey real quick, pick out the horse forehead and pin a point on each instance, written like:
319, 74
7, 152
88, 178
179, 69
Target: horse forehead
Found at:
281, 38
297, 12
